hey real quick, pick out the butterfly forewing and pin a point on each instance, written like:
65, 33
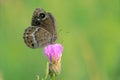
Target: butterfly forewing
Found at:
54, 27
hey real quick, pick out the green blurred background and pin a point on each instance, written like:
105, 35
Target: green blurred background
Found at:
89, 30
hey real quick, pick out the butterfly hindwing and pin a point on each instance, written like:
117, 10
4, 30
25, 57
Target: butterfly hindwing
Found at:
36, 37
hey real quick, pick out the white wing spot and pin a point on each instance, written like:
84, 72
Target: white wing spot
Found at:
34, 40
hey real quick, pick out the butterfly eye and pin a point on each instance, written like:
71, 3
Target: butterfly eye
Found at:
42, 15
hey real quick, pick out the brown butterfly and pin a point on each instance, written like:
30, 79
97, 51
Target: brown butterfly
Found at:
42, 31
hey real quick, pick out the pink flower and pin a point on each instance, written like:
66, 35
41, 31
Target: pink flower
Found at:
53, 51
54, 54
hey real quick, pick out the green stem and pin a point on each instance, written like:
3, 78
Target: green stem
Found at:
46, 75
53, 77
38, 77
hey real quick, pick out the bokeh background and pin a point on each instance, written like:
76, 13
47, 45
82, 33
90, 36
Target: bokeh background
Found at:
89, 30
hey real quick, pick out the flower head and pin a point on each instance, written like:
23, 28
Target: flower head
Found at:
53, 51
54, 54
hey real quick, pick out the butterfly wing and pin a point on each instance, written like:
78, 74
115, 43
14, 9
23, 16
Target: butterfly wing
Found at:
42, 30
54, 27
48, 23
43, 37
37, 37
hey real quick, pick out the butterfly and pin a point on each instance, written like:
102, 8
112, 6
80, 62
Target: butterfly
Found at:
42, 31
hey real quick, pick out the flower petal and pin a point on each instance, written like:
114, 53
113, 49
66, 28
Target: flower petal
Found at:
53, 50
